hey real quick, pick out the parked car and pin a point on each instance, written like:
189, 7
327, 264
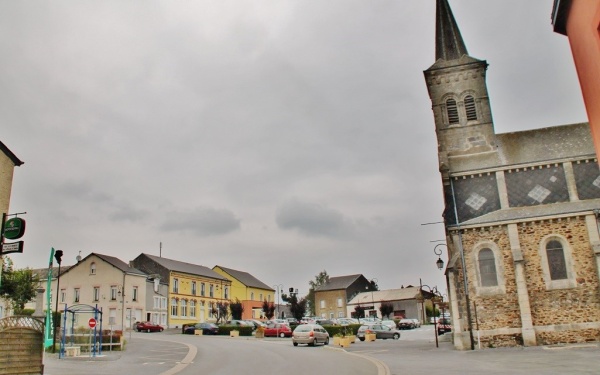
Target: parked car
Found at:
207, 329
370, 320
325, 322
148, 327
388, 322
444, 325
345, 321
292, 320
272, 322
310, 334
417, 322
382, 332
406, 324
255, 323
239, 323
278, 330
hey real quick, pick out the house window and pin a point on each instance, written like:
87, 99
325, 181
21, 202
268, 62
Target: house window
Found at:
339, 302
156, 303
134, 294
452, 111
113, 293
76, 294
63, 295
192, 308
340, 314
252, 296
183, 307
322, 303
173, 307
487, 268
211, 290
202, 289
260, 297
175, 285
96, 294
226, 292
470, 108
556, 260
193, 288
93, 268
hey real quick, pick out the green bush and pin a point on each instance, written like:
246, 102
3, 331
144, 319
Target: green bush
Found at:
348, 330
244, 331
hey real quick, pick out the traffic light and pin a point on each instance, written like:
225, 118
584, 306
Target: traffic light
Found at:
58, 256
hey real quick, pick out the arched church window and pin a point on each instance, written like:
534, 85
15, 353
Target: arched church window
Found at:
556, 260
470, 108
487, 268
452, 110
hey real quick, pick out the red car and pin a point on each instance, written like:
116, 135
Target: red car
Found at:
148, 327
278, 330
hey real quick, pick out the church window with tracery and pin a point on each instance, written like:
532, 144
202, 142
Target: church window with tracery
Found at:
556, 260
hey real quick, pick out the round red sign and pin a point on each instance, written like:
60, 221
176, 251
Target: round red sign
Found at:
92, 322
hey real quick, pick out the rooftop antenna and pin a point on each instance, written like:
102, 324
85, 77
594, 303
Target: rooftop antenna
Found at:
78, 257
160, 250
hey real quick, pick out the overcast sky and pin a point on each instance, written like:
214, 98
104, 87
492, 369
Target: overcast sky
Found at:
281, 138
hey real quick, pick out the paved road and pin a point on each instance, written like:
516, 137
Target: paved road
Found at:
414, 353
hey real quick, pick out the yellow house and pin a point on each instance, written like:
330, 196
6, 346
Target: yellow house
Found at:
249, 290
194, 290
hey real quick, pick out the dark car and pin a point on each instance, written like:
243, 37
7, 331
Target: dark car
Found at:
207, 329
382, 332
406, 324
443, 326
148, 327
325, 322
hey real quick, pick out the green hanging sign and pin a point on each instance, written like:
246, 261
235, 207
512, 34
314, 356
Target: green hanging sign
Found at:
14, 228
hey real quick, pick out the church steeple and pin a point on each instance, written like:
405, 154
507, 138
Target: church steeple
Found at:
449, 44
459, 98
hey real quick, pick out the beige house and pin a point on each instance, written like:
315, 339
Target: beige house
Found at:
332, 297
405, 301
107, 283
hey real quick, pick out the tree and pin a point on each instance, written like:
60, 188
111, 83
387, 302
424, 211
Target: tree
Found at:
268, 309
18, 286
386, 309
237, 309
359, 311
220, 309
297, 307
321, 279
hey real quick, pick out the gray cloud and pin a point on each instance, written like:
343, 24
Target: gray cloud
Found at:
202, 222
311, 219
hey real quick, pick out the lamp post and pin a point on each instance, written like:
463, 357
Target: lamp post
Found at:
434, 294
439, 263
58, 256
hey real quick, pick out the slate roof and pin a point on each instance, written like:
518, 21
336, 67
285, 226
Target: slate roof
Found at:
183, 267
385, 295
544, 145
113, 261
246, 278
449, 43
339, 282
531, 212
43, 272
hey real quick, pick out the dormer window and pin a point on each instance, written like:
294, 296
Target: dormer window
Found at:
452, 110
93, 268
470, 108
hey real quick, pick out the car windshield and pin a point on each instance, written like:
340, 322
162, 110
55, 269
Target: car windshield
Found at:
303, 328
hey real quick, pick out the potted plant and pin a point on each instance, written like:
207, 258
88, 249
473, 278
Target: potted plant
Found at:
337, 338
260, 332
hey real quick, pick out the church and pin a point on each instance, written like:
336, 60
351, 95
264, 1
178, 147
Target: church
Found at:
521, 213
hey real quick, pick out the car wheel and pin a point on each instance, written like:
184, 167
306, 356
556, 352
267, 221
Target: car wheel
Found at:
295, 343
326, 341
361, 338
148, 330
160, 330
282, 335
396, 336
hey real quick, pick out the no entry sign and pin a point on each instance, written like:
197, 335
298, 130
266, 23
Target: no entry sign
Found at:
92, 322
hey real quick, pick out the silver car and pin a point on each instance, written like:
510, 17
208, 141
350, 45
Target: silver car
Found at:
310, 334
